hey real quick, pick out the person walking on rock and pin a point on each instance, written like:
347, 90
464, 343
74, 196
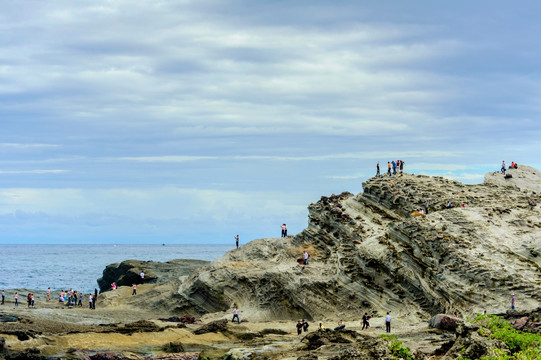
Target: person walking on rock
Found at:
512, 301
134, 286
237, 240
284, 230
377, 169
389, 168
236, 314
388, 322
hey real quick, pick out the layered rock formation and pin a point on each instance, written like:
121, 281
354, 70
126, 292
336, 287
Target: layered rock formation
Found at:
369, 253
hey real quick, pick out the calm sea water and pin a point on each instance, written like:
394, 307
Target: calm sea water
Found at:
79, 266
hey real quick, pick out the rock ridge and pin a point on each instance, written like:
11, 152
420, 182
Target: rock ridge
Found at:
373, 252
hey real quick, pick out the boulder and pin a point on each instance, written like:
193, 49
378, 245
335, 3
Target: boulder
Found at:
316, 339
212, 327
444, 322
520, 323
173, 347
8, 318
128, 272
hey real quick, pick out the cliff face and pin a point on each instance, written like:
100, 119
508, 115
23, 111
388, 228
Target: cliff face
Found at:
369, 253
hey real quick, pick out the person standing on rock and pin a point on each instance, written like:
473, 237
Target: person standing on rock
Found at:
236, 314
134, 286
284, 230
237, 240
389, 168
142, 275
512, 301
394, 167
365, 319
377, 169
3, 297
388, 322
401, 167
427, 204
503, 167
305, 256
305, 325
95, 299
90, 301
16, 297
299, 327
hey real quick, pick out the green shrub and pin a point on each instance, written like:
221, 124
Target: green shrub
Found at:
397, 348
523, 346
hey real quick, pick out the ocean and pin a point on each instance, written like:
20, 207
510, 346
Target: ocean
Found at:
37, 267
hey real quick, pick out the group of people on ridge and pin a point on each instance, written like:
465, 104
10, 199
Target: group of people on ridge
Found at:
513, 165
394, 166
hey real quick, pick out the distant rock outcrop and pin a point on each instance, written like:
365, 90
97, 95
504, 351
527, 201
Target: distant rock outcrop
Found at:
128, 272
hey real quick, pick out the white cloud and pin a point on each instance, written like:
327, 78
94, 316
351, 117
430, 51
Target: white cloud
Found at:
37, 171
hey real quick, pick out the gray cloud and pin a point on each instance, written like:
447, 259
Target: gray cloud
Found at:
291, 98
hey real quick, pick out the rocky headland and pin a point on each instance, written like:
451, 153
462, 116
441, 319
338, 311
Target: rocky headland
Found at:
372, 252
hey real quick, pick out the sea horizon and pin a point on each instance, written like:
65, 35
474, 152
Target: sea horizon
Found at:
78, 266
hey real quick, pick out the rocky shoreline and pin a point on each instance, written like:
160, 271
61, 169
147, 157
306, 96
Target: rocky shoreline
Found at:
372, 252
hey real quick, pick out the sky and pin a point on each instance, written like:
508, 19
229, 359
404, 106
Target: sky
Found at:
193, 121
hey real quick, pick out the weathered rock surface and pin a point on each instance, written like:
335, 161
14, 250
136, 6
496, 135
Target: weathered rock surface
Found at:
367, 253
128, 272
214, 326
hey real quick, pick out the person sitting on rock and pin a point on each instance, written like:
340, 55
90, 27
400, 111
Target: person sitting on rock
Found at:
340, 326
299, 327
321, 328
305, 325
449, 205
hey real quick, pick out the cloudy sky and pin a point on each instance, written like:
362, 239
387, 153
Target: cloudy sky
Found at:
192, 121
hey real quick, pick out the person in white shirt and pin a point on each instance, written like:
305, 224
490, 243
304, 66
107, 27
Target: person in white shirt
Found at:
236, 314
142, 274
388, 322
